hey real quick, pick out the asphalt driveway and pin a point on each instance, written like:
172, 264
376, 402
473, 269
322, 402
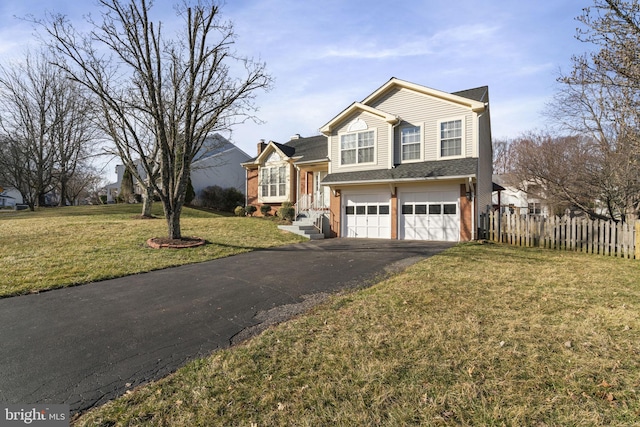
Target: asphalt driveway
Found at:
88, 344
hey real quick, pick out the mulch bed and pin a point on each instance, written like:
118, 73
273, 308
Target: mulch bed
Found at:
165, 242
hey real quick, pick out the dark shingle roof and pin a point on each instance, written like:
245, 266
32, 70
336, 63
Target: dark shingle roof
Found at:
409, 171
212, 145
310, 148
480, 94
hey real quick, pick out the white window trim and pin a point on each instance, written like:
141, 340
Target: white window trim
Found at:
274, 199
375, 148
419, 126
462, 142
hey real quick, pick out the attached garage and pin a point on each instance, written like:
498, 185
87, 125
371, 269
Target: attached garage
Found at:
429, 215
366, 215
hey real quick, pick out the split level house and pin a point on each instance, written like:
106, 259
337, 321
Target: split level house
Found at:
407, 162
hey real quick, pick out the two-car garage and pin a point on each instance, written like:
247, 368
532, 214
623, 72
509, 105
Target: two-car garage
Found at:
432, 214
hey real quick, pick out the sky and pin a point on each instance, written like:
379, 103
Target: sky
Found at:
325, 54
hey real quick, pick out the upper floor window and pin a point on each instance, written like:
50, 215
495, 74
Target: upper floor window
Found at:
273, 181
535, 208
358, 147
410, 142
451, 138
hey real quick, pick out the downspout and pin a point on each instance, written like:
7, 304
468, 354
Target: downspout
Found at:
472, 199
473, 214
246, 187
297, 188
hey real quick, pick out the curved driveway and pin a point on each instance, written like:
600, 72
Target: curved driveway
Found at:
88, 344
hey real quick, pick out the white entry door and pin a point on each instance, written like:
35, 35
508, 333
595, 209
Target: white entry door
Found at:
321, 193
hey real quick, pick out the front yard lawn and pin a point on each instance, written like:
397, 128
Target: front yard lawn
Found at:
479, 335
57, 247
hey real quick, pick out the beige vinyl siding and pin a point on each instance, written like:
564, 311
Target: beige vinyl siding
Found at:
381, 145
423, 110
485, 166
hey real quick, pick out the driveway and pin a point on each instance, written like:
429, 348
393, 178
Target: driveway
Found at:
88, 344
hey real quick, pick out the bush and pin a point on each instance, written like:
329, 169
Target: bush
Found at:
222, 199
287, 212
190, 194
239, 211
265, 209
251, 210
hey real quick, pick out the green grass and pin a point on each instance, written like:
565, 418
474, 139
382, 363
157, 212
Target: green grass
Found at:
57, 247
482, 335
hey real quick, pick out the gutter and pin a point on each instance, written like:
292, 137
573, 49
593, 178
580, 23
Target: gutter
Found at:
392, 181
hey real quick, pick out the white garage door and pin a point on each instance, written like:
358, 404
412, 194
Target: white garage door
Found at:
430, 216
366, 215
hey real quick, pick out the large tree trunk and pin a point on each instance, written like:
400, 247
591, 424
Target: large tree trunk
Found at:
63, 193
172, 214
147, 201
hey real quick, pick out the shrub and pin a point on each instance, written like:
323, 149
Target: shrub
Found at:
190, 194
222, 199
287, 212
239, 211
251, 210
265, 209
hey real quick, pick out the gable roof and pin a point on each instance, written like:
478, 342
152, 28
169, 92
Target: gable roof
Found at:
214, 145
472, 98
313, 148
302, 150
408, 172
358, 106
456, 97
480, 94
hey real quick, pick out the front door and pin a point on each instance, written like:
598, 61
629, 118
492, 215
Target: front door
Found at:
320, 192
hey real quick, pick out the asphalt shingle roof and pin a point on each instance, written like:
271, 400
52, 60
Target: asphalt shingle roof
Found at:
310, 148
431, 169
480, 94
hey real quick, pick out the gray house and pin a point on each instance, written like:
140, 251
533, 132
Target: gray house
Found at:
217, 163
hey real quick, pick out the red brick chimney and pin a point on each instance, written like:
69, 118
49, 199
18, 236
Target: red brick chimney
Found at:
261, 146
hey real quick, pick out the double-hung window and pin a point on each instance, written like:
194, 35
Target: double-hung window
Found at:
273, 181
451, 138
356, 148
410, 142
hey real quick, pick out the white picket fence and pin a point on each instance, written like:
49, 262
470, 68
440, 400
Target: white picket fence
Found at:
564, 233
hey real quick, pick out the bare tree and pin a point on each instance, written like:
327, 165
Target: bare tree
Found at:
82, 183
47, 127
600, 100
26, 118
183, 88
502, 156
71, 134
569, 171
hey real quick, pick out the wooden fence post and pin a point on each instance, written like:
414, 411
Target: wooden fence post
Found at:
637, 240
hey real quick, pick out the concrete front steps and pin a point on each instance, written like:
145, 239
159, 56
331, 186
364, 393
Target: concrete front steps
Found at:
304, 228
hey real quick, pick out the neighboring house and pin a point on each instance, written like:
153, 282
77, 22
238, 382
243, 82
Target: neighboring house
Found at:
511, 199
9, 197
217, 163
408, 162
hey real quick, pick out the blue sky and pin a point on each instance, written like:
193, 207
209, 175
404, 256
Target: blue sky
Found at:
326, 54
